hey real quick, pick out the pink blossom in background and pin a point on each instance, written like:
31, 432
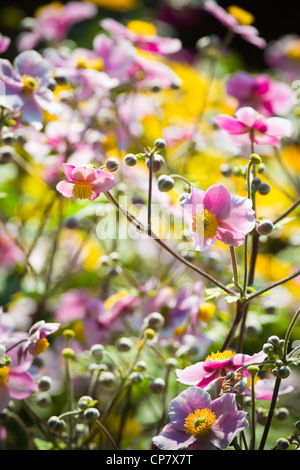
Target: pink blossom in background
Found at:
197, 422
215, 214
26, 86
116, 54
36, 342
216, 365
10, 253
267, 96
248, 124
246, 31
84, 182
283, 56
4, 43
54, 21
147, 42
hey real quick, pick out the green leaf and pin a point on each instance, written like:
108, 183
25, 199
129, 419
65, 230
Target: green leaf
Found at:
43, 445
230, 299
213, 292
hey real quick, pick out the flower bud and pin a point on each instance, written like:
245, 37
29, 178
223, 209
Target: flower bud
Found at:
112, 164
107, 379
154, 321
160, 144
43, 400
97, 351
165, 183
130, 159
255, 159
72, 223
85, 401
8, 138
265, 227
226, 170
157, 162
124, 344
273, 340
141, 366
136, 377
282, 443
171, 363
68, 353
44, 384
56, 424
264, 188
268, 348
157, 385
283, 372
282, 414
91, 414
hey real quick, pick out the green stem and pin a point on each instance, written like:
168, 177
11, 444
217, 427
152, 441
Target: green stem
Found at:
270, 414
108, 435
288, 334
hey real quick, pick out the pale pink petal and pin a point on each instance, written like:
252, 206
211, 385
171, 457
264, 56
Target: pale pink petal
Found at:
217, 200
21, 385
65, 188
68, 171
247, 115
279, 127
241, 216
230, 237
191, 375
84, 173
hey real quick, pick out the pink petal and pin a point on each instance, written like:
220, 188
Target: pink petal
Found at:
68, 171
241, 216
65, 188
230, 124
84, 173
279, 127
217, 200
191, 375
230, 237
103, 182
21, 385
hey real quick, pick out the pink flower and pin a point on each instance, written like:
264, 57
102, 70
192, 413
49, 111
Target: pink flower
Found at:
54, 21
199, 422
16, 382
37, 342
148, 41
84, 182
10, 253
261, 92
248, 124
236, 23
283, 55
4, 43
216, 365
217, 215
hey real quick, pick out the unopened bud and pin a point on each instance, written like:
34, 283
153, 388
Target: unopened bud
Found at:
165, 183
265, 227
112, 164
255, 159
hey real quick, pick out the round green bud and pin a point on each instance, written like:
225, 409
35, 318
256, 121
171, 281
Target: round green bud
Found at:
84, 402
160, 144
154, 320
273, 340
165, 183
56, 424
284, 372
253, 370
104, 260
282, 443
69, 334
157, 385
91, 414
282, 414
297, 425
43, 400
157, 163
261, 168
107, 379
130, 159
6, 154
141, 366
149, 333
112, 164
97, 351
136, 377
171, 362
8, 138
226, 170
255, 159
264, 188
278, 363
124, 344
44, 383
265, 227
268, 348
68, 353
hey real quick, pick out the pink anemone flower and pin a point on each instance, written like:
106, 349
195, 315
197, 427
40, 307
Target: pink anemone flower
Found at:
84, 182
216, 214
248, 124
217, 365
199, 422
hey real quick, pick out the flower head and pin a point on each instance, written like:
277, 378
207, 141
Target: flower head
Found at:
216, 214
204, 372
84, 182
26, 86
37, 341
248, 124
198, 422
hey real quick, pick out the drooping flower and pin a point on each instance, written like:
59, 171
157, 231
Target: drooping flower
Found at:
26, 86
54, 21
198, 422
16, 382
215, 214
142, 35
37, 342
216, 365
261, 93
248, 125
84, 182
237, 20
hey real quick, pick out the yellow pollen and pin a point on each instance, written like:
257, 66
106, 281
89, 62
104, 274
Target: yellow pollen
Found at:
206, 311
220, 356
85, 63
29, 84
242, 16
4, 373
82, 190
200, 422
293, 51
205, 223
111, 301
141, 27
40, 346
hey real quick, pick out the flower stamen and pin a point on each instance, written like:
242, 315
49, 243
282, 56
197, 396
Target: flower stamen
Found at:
29, 84
200, 422
40, 346
4, 375
82, 190
205, 223
220, 356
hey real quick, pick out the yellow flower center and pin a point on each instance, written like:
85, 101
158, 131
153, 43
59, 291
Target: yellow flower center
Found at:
242, 16
40, 346
294, 50
206, 311
85, 63
141, 27
220, 356
29, 84
205, 223
4, 373
82, 190
113, 299
200, 422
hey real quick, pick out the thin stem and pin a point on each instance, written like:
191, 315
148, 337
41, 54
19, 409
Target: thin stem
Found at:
235, 270
253, 414
108, 435
271, 286
287, 212
270, 414
150, 155
288, 334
